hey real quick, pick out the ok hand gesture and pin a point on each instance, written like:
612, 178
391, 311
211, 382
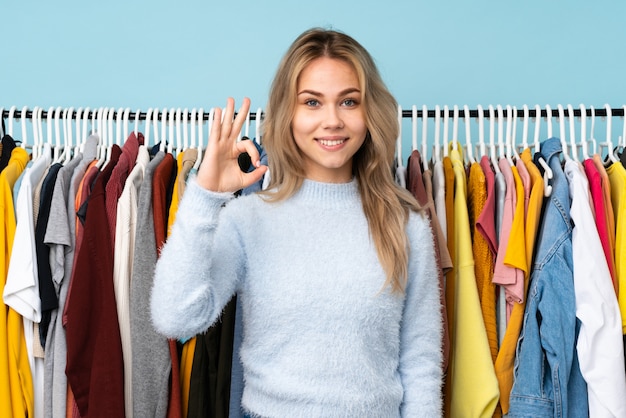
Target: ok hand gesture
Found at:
219, 170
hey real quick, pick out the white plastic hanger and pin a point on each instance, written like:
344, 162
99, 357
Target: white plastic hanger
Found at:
584, 146
148, 127
468, 137
125, 118
179, 136
257, 125
572, 132
23, 123
481, 131
562, 132
547, 171
399, 138
163, 129
525, 126
413, 128
11, 117
424, 137
609, 141
549, 120
623, 142
446, 120
170, 144
155, 126
1, 124
500, 119
186, 128
437, 147
492, 144
101, 131
193, 127
119, 115
84, 129
508, 139
514, 135
455, 127
200, 138
136, 127
57, 134
35, 126
77, 122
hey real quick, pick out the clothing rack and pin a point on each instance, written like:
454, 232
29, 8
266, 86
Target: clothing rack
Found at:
419, 112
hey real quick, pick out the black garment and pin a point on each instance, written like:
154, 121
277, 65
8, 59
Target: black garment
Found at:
47, 292
8, 144
209, 388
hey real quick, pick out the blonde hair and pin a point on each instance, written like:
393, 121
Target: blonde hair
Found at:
385, 204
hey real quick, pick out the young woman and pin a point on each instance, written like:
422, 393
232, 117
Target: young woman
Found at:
334, 263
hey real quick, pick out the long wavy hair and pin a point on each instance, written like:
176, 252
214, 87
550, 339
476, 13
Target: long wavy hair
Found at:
386, 205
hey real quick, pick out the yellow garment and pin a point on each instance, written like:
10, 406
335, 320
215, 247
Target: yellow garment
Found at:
617, 177
506, 356
16, 380
474, 385
189, 347
483, 259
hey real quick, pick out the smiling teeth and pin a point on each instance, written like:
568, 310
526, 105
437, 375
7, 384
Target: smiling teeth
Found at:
331, 143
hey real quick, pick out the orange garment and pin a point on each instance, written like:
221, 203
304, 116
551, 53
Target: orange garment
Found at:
483, 258
450, 275
506, 356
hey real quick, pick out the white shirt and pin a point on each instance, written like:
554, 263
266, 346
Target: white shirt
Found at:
600, 346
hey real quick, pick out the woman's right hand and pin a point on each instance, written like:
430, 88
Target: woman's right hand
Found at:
219, 170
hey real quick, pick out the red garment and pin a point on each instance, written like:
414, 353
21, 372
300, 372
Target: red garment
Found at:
94, 349
599, 206
486, 222
162, 188
115, 185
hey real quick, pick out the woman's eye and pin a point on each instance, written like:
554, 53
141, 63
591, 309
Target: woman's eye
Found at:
349, 102
311, 102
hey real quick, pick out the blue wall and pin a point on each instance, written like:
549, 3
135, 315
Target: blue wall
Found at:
142, 54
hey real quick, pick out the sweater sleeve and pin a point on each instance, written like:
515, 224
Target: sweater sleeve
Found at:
190, 289
421, 327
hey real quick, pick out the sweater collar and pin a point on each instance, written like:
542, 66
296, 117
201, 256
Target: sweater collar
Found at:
329, 194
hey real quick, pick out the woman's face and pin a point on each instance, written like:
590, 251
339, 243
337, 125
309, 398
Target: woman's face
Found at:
328, 125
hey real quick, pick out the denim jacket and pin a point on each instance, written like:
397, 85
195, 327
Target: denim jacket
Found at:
548, 381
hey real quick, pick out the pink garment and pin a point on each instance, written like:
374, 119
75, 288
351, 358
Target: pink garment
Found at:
525, 176
599, 207
486, 222
512, 279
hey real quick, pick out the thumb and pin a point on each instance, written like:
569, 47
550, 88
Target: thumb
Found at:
253, 176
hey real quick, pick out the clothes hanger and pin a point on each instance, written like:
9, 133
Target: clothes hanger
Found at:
67, 135
509, 132
437, 148
84, 129
23, 123
186, 129
584, 146
609, 141
399, 138
500, 120
525, 126
572, 132
77, 123
455, 127
163, 128
1, 124
57, 134
192, 127
481, 131
125, 118
516, 155
413, 128
492, 145
11, 118
155, 127
170, 144
179, 139
424, 137
100, 131
547, 171
257, 125
147, 127
118, 126
35, 127
468, 138
549, 120
136, 127
200, 137
564, 145
446, 120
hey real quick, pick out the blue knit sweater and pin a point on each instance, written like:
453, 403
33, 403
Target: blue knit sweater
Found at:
322, 336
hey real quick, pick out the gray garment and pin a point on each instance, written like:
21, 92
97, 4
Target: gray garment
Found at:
500, 187
61, 237
151, 359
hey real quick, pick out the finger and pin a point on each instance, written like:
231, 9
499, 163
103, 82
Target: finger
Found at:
216, 127
241, 117
228, 116
253, 176
249, 147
